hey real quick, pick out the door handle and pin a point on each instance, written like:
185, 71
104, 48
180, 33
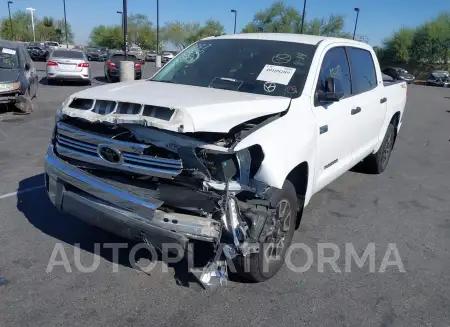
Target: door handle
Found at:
383, 100
323, 129
356, 110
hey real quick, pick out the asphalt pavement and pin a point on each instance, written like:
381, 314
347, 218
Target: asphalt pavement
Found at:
408, 206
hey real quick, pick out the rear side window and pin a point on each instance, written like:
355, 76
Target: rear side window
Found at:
67, 54
335, 64
364, 77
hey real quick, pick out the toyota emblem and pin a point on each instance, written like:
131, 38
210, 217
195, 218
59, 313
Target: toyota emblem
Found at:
109, 154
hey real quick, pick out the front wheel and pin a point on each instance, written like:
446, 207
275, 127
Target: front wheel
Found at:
276, 238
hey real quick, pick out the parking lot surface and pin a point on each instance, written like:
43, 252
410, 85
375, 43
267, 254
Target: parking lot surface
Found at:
408, 205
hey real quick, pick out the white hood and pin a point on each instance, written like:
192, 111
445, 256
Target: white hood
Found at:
198, 109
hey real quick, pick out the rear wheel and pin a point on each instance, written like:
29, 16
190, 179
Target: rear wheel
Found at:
376, 163
277, 237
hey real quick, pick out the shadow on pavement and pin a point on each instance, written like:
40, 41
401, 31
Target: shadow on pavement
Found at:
44, 81
100, 79
41, 213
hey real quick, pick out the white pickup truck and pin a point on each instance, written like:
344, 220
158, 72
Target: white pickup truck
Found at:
224, 145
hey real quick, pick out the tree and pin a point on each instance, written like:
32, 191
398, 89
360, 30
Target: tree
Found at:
22, 28
183, 34
47, 29
397, 48
107, 36
281, 18
141, 31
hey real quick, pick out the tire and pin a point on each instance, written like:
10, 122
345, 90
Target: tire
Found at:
256, 267
376, 163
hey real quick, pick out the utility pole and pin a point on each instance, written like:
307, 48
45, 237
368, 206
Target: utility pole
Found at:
303, 16
10, 20
65, 24
158, 56
356, 22
125, 28
32, 10
235, 15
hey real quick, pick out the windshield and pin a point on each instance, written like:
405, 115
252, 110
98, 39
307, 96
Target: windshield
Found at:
120, 57
8, 58
254, 66
51, 44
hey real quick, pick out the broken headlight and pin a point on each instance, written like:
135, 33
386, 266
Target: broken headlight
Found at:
222, 166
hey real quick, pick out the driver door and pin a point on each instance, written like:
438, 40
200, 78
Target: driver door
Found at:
334, 139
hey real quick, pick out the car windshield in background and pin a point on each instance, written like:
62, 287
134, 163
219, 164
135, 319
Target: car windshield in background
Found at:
122, 58
92, 49
51, 44
266, 67
67, 54
8, 58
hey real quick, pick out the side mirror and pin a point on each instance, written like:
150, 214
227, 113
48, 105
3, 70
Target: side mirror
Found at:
330, 95
27, 66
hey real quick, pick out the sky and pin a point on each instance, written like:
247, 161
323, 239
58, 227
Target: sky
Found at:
378, 19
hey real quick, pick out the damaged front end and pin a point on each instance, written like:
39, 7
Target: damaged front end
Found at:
200, 188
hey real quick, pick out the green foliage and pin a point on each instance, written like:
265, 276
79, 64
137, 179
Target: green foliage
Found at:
425, 47
183, 34
47, 29
281, 18
140, 32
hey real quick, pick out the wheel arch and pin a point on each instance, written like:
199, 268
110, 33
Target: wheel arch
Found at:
299, 177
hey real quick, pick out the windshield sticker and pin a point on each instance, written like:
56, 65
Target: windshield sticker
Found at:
300, 58
291, 89
281, 58
336, 72
276, 74
9, 51
269, 87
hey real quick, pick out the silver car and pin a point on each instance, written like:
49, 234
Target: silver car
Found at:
71, 65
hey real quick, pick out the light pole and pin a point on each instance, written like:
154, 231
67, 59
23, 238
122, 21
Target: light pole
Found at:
32, 10
125, 28
356, 22
303, 16
121, 17
235, 15
65, 24
10, 20
158, 56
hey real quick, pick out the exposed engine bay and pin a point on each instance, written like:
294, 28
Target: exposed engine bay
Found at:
207, 190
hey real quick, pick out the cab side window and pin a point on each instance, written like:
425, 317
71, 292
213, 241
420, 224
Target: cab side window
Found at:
335, 64
364, 77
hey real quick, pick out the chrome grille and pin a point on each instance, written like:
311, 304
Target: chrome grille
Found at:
83, 146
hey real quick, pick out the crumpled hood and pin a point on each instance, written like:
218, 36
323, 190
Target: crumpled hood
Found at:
197, 109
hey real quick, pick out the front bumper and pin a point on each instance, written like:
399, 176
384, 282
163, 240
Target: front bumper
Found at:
119, 211
9, 97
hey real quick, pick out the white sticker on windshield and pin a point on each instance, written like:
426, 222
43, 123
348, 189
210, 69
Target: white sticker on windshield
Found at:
9, 51
276, 74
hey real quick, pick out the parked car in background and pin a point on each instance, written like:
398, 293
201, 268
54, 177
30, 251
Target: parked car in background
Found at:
51, 44
38, 53
93, 54
18, 76
439, 78
112, 66
103, 53
150, 56
399, 74
68, 65
167, 56
138, 53
226, 145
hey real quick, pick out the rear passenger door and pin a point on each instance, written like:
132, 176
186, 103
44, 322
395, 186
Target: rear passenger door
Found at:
334, 140
369, 107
